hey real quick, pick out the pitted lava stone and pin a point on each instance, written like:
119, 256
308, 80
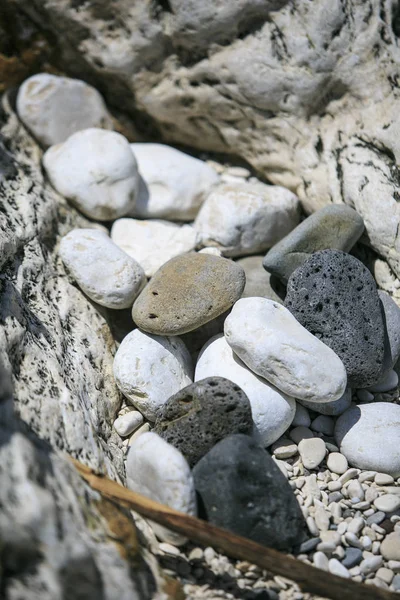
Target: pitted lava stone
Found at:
242, 489
203, 413
334, 296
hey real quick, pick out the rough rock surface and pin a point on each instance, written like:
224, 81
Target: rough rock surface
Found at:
307, 92
57, 350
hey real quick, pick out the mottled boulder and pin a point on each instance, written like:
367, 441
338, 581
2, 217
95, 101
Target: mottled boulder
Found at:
202, 414
334, 296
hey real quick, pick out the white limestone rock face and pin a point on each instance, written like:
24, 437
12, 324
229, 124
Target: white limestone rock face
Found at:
368, 436
148, 369
53, 108
152, 243
96, 171
272, 411
57, 350
273, 344
102, 270
159, 471
173, 184
246, 218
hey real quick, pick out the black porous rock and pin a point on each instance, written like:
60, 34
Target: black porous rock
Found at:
203, 413
334, 296
241, 489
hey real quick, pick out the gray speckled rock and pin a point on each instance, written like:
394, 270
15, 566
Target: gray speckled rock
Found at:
334, 226
368, 436
333, 409
243, 490
187, 292
392, 337
202, 414
259, 282
334, 296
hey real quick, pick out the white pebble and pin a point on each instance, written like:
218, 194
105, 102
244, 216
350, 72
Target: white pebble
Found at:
152, 243
370, 565
169, 549
337, 463
353, 540
387, 503
356, 525
284, 448
149, 369
289, 357
383, 479
127, 423
321, 561
102, 270
96, 171
159, 471
210, 250
53, 108
312, 452
173, 185
336, 568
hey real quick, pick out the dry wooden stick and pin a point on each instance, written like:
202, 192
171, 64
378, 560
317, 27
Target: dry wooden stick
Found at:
309, 578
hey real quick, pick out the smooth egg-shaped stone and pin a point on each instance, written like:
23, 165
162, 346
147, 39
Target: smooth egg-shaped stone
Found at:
102, 270
369, 437
187, 292
273, 344
272, 411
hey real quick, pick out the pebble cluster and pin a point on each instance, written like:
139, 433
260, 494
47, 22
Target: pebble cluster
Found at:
275, 414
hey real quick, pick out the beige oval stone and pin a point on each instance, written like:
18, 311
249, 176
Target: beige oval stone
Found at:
187, 292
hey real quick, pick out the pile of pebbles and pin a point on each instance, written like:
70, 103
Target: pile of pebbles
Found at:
259, 373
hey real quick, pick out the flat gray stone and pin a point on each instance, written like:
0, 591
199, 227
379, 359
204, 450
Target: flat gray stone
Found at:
333, 226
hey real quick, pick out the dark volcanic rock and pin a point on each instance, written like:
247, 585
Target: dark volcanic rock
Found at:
243, 490
334, 296
334, 226
202, 414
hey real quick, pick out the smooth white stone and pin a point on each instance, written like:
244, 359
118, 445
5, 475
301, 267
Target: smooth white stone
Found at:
152, 243
323, 424
354, 490
301, 417
321, 561
387, 503
273, 344
312, 452
53, 107
102, 270
127, 423
337, 463
159, 471
246, 218
283, 448
272, 410
173, 184
389, 382
149, 369
371, 564
335, 408
383, 479
210, 250
368, 435
96, 171
356, 525
336, 568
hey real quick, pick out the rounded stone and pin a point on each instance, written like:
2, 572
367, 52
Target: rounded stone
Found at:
334, 296
127, 423
53, 108
334, 408
96, 171
302, 417
368, 436
159, 471
337, 463
272, 410
387, 503
389, 382
152, 243
390, 546
333, 226
246, 218
187, 292
392, 326
259, 282
243, 490
202, 414
312, 452
104, 272
173, 184
149, 369
274, 345
323, 424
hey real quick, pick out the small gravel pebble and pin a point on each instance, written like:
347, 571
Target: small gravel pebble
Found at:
387, 503
383, 479
321, 561
353, 557
337, 463
370, 565
312, 452
337, 568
